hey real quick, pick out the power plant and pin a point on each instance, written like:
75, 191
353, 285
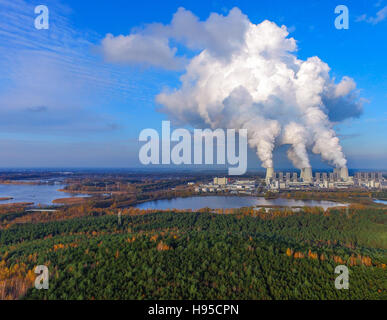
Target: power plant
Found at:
338, 179
282, 181
344, 174
306, 174
269, 174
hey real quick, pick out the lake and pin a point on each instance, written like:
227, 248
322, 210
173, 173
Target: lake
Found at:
38, 194
381, 201
223, 202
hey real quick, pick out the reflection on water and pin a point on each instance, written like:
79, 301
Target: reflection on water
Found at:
223, 202
381, 201
38, 194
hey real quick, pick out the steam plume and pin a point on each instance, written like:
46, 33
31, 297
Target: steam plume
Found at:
247, 75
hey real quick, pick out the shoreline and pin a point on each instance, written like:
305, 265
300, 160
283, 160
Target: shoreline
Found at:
17, 204
70, 200
6, 198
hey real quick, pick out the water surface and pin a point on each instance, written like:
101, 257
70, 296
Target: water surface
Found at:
381, 201
38, 194
223, 202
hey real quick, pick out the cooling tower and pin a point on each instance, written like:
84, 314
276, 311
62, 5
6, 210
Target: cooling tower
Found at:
306, 174
336, 174
269, 173
344, 173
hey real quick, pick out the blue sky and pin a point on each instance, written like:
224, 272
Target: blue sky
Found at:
63, 105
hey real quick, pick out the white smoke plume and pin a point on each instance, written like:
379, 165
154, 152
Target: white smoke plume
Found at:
296, 135
247, 75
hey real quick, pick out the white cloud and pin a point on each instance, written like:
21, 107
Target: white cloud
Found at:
381, 15
54, 71
363, 17
246, 76
141, 49
346, 85
220, 35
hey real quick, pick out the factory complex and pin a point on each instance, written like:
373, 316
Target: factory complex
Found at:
302, 180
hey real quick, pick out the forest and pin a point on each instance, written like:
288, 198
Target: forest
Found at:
238, 254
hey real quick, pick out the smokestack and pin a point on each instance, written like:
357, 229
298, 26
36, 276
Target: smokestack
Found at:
306, 174
269, 174
344, 173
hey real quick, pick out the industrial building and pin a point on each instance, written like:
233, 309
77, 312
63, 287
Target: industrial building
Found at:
338, 179
222, 185
220, 181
